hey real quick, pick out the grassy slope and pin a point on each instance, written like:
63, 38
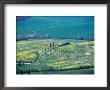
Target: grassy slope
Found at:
73, 58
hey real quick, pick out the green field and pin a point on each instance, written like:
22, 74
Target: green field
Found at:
52, 57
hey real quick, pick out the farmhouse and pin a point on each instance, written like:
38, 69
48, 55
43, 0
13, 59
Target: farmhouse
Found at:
64, 43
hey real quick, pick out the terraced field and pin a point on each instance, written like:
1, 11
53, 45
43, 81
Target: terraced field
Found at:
54, 57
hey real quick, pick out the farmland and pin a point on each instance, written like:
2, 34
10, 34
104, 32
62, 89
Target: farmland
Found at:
50, 56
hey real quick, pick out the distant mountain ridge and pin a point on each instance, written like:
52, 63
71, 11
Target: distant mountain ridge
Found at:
20, 18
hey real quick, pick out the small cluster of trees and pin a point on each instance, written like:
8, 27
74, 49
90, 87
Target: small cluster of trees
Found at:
50, 48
